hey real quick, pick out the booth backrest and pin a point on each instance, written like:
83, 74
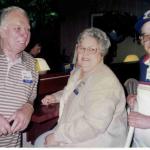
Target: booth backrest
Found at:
125, 71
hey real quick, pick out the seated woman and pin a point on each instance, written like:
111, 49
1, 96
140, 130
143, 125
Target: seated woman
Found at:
92, 106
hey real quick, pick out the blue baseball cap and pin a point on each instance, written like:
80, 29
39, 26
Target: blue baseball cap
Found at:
142, 20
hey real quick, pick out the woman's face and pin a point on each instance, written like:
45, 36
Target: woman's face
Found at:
88, 54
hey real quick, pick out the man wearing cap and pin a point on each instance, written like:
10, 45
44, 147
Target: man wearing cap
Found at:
141, 120
143, 28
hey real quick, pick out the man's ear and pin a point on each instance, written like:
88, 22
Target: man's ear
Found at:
3, 31
141, 40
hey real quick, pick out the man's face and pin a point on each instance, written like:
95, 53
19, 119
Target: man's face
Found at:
15, 32
145, 38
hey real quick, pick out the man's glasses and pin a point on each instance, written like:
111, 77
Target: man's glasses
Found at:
88, 50
145, 38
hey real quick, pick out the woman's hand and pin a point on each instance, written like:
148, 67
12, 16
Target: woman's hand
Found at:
49, 99
50, 141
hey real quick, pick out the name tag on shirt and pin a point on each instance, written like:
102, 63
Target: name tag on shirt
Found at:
76, 91
27, 76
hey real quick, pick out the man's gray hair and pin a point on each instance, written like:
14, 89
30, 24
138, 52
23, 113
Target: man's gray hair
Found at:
100, 37
6, 11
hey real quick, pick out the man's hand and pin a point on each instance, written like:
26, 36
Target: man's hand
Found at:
131, 100
139, 120
21, 118
50, 140
4, 126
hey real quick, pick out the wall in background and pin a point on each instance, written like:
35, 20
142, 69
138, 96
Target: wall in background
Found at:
128, 46
77, 17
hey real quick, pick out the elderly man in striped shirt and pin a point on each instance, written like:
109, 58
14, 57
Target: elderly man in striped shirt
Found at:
18, 77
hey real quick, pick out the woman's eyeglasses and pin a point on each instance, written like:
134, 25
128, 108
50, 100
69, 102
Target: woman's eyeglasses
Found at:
88, 50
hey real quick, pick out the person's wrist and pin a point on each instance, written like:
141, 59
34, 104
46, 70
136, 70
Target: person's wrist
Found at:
28, 107
148, 121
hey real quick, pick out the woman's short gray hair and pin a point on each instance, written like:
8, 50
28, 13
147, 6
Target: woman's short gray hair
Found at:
100, 37
6, 11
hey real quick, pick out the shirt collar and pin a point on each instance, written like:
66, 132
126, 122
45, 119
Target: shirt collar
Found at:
1, 52
22, 57
146, 59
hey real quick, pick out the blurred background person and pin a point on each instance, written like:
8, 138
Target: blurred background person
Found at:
36, 49
41, 65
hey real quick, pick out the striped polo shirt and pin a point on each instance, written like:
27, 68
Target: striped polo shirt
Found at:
16, 88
